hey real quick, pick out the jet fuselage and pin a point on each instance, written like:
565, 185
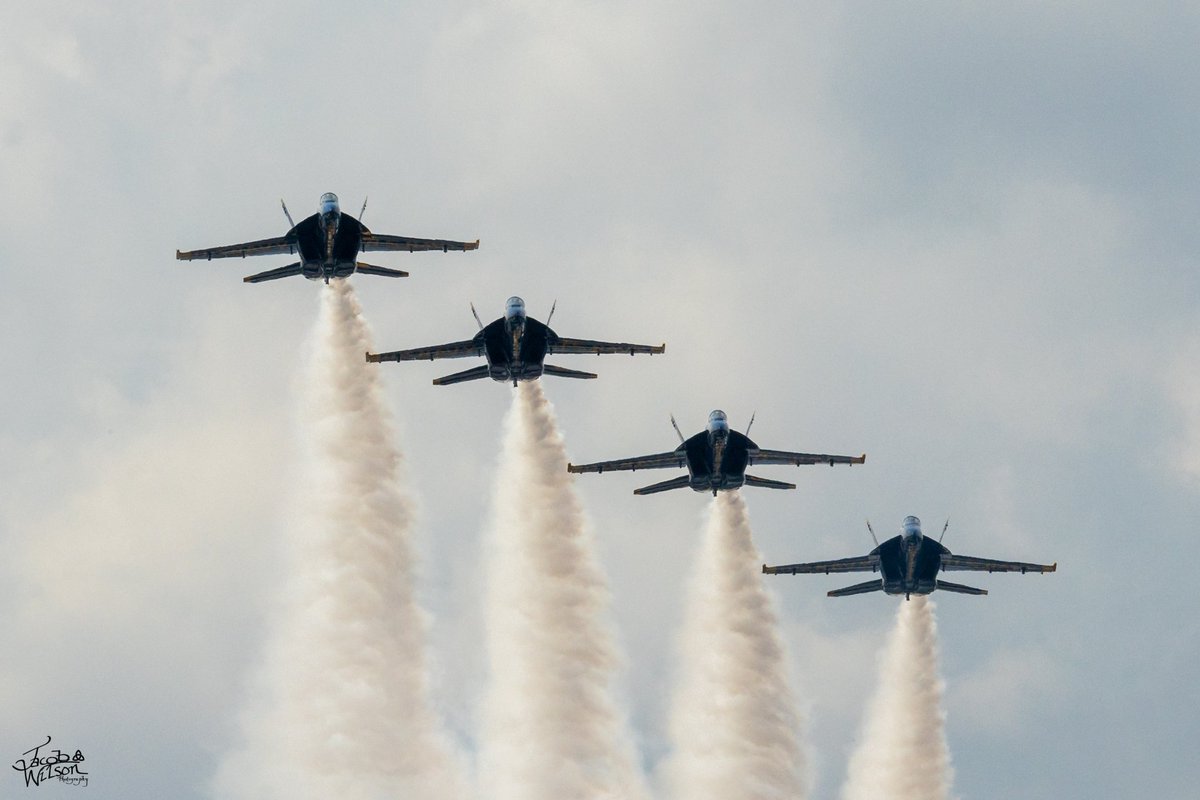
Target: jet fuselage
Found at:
909, 564
716, 460
515, 348
329, 244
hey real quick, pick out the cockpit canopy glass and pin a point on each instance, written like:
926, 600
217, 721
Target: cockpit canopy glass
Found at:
912, 526
514, 307
329, 203
717, 421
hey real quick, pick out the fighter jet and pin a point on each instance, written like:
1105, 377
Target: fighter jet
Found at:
716, 460
328, 243
909, 564
515, 347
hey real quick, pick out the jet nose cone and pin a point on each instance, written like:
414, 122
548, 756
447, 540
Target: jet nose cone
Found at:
514, 307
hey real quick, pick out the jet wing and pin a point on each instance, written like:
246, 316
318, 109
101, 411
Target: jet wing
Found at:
868, 563
263, 247
589, 346
375, 242
760, 456
950, 561
452, 350
675, 458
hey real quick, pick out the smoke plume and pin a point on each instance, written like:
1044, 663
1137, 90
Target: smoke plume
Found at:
902, 752
343, 707
551, 728
734, 724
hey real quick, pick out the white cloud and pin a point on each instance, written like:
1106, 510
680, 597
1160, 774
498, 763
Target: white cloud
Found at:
999, 696
1182, 384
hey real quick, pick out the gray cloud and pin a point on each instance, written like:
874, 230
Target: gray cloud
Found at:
960, 241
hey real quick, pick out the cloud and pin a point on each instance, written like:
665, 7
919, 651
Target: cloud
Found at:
960, 240
999, 696
1182, 385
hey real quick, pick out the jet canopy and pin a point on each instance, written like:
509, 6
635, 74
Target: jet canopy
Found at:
514, 307
912, 527
717, 421
329, 204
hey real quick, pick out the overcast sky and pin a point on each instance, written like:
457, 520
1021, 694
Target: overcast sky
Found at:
959, 237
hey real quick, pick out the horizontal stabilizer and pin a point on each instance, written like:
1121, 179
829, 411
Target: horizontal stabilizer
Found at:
767, 484
371, 269
273, 274
562, 372
466, 375
946, 586
681, 482
858, 588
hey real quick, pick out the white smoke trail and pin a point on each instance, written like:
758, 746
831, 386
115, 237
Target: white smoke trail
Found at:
551, 729
344, 704
733, 722
902, 753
